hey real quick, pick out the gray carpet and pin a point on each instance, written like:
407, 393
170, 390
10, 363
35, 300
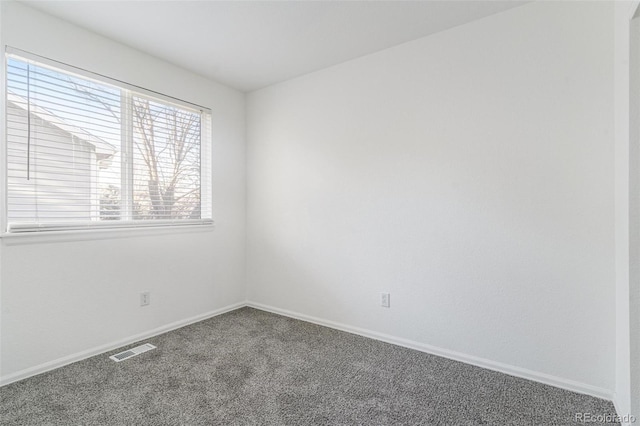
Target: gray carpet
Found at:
249, 367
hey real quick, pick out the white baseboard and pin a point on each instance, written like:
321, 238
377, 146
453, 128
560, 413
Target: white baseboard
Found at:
457, 356
446, 353
60, 362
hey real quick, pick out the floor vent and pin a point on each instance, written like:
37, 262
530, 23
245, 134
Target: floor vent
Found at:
132, 352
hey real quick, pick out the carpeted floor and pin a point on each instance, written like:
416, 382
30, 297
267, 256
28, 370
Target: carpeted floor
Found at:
249, 367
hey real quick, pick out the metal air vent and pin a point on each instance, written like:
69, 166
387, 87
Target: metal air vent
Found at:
132, 352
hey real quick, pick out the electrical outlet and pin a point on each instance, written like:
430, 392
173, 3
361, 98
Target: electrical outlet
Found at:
385, 300
145, 298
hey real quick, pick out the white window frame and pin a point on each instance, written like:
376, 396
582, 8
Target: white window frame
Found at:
100, 227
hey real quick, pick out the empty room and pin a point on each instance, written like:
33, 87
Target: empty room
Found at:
319, 212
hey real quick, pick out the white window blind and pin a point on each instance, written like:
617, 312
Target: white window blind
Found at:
85, 152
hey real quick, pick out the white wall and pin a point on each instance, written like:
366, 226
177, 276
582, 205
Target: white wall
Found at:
67, 296
622, 211
470, 174
627, 136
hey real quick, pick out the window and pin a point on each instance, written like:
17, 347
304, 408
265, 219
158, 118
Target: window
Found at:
84, 151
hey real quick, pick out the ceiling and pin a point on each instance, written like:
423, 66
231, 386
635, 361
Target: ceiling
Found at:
252, 44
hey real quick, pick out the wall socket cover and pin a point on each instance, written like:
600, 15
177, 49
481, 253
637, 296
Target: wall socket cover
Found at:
385, 300
145, 298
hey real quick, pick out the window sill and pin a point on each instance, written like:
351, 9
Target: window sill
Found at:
9, 238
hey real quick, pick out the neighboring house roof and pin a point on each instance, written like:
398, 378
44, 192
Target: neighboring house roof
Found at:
102, 147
